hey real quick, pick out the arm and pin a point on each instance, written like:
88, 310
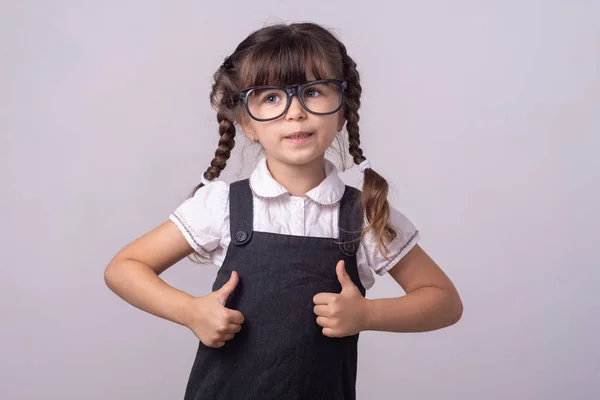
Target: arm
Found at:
431, 301
133, 274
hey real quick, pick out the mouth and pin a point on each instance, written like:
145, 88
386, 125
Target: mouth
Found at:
299, 135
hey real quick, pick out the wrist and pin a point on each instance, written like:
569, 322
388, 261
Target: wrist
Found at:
368, 315
187, 311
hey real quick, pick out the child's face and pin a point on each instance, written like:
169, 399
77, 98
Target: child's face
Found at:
272, 134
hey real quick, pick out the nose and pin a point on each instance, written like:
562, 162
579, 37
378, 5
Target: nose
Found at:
296, 111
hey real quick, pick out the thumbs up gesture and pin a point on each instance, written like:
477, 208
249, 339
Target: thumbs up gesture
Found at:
341, 314
211, 321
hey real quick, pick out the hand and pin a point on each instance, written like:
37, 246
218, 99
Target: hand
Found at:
341, 314
211, 321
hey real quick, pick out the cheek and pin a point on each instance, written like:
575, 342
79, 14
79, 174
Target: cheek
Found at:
267, 135
331, 125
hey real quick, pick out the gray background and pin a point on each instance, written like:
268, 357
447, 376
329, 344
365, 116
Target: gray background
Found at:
484, 116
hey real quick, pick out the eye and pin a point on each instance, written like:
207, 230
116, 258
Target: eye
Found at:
271, 98
312, 92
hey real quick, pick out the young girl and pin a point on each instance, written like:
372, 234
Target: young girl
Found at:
297, 248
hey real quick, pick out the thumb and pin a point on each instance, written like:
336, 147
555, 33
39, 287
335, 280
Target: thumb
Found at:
343, 276
228, 288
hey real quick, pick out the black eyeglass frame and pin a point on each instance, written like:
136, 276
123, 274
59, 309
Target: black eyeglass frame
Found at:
292, 91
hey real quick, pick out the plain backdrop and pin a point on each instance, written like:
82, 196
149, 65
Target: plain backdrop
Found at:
483, 115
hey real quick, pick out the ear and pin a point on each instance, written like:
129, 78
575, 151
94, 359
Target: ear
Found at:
247, 130
341, 119
250, 135
341, 123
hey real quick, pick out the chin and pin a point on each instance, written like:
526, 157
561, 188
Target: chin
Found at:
299, 158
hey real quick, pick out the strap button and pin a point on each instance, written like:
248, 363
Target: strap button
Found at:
350, 247
241, 236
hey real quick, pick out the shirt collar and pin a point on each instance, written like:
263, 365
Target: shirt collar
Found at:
329, 191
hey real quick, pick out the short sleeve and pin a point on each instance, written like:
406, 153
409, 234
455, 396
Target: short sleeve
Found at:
407, 237
201, 217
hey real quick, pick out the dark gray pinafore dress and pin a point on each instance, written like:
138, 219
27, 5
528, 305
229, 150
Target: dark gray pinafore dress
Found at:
281, 352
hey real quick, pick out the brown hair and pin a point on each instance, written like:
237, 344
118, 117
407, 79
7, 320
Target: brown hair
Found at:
279, 54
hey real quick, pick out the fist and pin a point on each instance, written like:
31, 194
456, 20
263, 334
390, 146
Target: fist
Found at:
213, 323
341, 314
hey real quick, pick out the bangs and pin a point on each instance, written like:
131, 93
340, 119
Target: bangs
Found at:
287, 60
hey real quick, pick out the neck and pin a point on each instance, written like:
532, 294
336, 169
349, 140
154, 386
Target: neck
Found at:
297, 179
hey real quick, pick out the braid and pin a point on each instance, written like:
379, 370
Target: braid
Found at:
224, 148
221, 97
375, 188
352, 100
223, 152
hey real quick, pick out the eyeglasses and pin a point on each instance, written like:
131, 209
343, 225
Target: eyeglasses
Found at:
320, 97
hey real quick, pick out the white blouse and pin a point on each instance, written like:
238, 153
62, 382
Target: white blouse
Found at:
204, 219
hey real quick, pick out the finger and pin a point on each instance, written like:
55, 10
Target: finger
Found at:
321, 310
342, 275
228, 288
226, 336
233, 328
324, 322
234, 316
329, 332
215, 343
324, 298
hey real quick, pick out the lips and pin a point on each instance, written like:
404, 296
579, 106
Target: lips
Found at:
299, 135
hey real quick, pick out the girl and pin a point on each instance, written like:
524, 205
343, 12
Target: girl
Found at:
296, 247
